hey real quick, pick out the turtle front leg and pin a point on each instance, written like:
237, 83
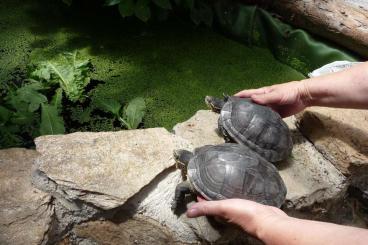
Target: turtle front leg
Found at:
181, 190
182, 158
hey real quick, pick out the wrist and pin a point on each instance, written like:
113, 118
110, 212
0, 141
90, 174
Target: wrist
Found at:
305, 92
268, 227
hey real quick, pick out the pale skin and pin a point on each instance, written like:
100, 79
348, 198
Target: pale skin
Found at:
345, 89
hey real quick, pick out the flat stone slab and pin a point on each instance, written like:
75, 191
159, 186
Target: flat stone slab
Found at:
154, 201
308, 176
200, 129
137, 230
107, 168
341, 135
25, 212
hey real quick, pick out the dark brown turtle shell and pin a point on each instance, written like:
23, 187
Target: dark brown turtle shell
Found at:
234, 171
258, 127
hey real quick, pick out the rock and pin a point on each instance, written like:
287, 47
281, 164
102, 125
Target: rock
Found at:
308, 176
155, 202
25, 212
137, 230
201, 129
105, 169
341, 135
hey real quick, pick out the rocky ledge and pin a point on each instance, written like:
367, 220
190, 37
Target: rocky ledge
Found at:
108, 187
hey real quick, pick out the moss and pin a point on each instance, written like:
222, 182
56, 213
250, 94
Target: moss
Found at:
173, 65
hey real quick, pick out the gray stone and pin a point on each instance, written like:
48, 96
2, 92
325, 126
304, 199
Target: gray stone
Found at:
25, 212
155, 202
308, 176
136, 230
201, 129
105, 169
341, 135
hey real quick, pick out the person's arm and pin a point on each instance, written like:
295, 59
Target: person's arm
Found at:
344, 89
274, 227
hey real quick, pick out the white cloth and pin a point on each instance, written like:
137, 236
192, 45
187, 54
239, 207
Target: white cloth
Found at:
332, 67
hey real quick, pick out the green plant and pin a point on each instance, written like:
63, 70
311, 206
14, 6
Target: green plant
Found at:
37, 107
129, 116
200, 10
21, 110
66, 70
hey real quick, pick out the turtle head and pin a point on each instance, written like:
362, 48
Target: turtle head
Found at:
182, 158
215, 104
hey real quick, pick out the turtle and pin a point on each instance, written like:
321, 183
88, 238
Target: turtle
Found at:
228, 170
256, 126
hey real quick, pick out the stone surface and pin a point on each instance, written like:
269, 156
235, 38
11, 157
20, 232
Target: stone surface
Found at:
25, 212
358, 3
137, 230
106, 169
201, 129
308, 176
341, 135
154, 202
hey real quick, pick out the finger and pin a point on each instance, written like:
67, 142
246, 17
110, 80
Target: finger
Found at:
268, 98
249, 92
205, 208
201, 199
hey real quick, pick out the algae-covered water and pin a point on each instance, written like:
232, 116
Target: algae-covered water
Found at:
172, 64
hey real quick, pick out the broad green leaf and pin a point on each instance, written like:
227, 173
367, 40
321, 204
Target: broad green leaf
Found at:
31, 96
134, 113
23, 118
165, 4
41, 73
4, 115
69, 71
142, 10
57, 99
112, 2
51, 121
108, 105
126, 8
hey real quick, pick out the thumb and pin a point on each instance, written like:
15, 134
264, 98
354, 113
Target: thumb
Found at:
268, 98
205, 208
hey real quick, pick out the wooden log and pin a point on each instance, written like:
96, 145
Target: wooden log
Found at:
336, 20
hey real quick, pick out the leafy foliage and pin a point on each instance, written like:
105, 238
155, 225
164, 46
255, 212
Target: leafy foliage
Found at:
18, 114
40, 105
130, 116
67, 70
51, 121
134, 113
200, 10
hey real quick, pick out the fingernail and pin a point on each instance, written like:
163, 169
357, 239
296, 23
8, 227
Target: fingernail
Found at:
192, 212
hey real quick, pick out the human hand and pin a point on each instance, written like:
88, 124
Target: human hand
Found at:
252, 217
287, 99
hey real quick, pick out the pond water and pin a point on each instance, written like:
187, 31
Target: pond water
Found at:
172, 64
